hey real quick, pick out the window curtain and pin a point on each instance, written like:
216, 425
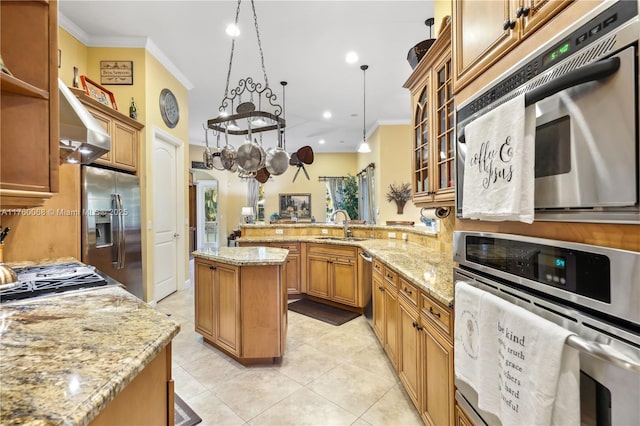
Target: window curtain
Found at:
334, 186
252, 195
366, 199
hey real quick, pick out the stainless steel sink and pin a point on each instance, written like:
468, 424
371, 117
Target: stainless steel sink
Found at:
343, 238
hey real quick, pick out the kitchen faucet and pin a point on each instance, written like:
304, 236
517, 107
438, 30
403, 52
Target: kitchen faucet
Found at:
347, 231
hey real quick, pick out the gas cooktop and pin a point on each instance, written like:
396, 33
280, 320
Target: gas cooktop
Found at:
47, 279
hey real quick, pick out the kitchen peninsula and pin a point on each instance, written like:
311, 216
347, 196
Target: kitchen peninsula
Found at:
99, 356
241, 301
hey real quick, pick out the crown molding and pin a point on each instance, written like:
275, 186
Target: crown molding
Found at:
124, 42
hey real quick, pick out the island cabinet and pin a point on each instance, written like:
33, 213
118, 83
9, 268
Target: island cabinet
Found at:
29, 122
433, 126
483, 32
242, 310
124, 132
148, 399
332, 274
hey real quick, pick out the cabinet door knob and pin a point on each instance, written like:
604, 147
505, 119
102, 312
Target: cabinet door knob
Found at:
414, 324
406, 290
434, 313
212, 268
522, 11
380, 288
508, 24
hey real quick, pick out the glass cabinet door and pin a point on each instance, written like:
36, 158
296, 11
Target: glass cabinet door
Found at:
421, 147
207, 204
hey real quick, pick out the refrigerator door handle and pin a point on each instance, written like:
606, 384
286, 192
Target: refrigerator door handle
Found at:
115, 224
121, 239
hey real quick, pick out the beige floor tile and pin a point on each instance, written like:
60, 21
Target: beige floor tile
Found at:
185, 384
212, 370
306, 363
342, 343
212, 411
394, 408
361, 422
304, 407
351, 387
254, 391
373, 359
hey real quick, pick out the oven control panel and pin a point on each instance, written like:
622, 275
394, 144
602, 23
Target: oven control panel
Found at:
583, 273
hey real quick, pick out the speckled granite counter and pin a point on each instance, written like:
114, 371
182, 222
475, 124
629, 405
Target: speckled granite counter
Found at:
64, 358
240, 256
429, 269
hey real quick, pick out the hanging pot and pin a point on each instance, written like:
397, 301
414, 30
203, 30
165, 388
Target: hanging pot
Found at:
262, 175
277, 161
216, 160
228, 156
250, 156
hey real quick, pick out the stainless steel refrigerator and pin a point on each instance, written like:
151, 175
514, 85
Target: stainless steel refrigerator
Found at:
111, 234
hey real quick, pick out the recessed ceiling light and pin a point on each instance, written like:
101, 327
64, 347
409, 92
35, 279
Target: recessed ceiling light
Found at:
327, 114
233, 30
351, 58
321, 141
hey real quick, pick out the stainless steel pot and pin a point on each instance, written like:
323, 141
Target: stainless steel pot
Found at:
228, 156
250, 156
277, 161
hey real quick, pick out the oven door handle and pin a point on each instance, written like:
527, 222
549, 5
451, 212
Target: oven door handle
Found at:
603, 353
592, 72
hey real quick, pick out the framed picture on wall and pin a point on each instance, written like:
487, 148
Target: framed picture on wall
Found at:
295, 205
97, 92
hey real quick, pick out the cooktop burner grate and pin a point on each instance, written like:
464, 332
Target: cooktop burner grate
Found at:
40, 280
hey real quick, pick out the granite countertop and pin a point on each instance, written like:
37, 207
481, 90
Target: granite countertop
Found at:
64, 357
429, 269
243, 256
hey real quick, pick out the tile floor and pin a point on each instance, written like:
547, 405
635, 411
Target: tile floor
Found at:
329, 376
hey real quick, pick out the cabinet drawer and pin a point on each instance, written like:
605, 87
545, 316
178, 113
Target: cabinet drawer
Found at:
292, 247
409, 291
437, 314
339, 252
391, 276
378, 267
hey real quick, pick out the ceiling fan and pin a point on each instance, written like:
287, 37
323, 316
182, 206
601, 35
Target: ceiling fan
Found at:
301, 157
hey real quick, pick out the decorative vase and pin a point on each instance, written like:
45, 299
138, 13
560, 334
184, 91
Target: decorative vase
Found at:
400, 206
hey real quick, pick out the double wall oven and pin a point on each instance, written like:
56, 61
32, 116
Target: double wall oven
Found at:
592, 291
583, 84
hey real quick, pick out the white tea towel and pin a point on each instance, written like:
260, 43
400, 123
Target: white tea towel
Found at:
530, 376
466, 333
499, 166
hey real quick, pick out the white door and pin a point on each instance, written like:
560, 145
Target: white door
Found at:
165, 223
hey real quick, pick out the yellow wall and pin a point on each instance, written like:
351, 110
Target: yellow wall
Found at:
441, 8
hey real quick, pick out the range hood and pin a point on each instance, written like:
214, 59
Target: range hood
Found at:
82, 139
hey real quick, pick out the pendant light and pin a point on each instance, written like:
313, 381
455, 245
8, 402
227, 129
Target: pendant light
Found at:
364, 146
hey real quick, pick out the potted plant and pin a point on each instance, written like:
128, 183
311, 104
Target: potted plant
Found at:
400, 194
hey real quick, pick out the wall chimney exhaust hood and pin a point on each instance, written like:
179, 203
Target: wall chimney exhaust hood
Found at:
82, 139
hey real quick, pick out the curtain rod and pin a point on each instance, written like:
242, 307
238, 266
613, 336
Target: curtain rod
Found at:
324, 178
372, 165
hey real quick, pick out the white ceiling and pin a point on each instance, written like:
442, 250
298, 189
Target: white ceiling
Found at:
304, 43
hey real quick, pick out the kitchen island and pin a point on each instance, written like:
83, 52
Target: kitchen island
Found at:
99, 355
241, 301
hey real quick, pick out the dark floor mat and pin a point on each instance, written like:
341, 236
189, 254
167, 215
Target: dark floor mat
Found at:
184, 415
322, 312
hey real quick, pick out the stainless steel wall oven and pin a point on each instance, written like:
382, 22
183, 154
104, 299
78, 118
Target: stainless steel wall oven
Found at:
583, 85
592, 291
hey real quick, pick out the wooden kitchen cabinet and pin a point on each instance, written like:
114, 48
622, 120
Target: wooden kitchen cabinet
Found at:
217, 304
124, 132
242, 310
377, 299
332, 273
390, 344
433, 126
294, 266
409, 359
483, 32
29, 108
437, 398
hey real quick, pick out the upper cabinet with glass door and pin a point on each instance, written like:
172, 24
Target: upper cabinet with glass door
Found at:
433, 125
484, 31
